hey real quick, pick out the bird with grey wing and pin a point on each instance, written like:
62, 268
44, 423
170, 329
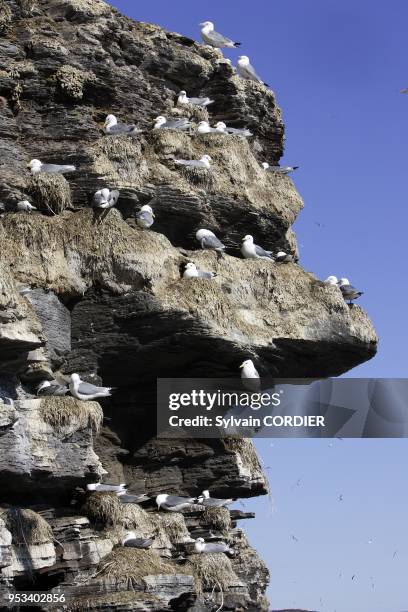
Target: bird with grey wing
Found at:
282, 257
246, 71
209, 241
203, 547
106, 487
37, 166
203, 162
25, 206
221, 127
174, 503
279, 169
161, 123
86, 391
201, 102
212, 502
252, 251
349, 292
105, 198
214, 39
132, 541
145, 217
191, 271
51, 387
113, 127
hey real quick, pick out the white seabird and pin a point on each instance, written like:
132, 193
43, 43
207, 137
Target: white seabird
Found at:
145, 217
349, 292
86, 391
247, 71
282, 257
100, 486
2, 207
203, 162
174, 503
111, 126
209, 241
221, 127
250, 375
25, 206
131, 541
184, 99
331, 280
191, 271
51, 387
252, 251
204, 128
201, 546
129, 498
161, 123
37, 166
212, 502
213, 38
279, 169
105, 198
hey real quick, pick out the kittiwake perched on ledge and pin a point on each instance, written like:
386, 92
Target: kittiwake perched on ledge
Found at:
161, 123
174, 503
51, 387
282, 257
37, 166
331, 280
131, 541
105, 198
212, 502
201, 546
250, 375
130, 498
145, 217
184, 99
213, 38
221, 127
204, 128
191, 271
252, 251
86, 391
279, 169
247, 71
111, 126
203, 162
100, 486
25, 206
209, 241
349, 292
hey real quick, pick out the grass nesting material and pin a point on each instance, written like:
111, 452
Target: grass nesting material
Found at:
217, 518
167, 528
174, 526
51, 192
65, 412
201, 177
71, 81
134, 517
120, 159
103, 507
130, 565
5, 16
26, 526
212, 570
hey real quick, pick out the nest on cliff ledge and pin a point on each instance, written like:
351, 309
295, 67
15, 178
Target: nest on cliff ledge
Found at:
51, 192
218, 519
168, 529
211, 571
103, 508
26, 527
64, 413
131, 565
120, 160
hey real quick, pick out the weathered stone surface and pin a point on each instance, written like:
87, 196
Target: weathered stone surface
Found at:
108, 301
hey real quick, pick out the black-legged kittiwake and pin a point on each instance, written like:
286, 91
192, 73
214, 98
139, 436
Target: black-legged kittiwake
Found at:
105, 198
106, 487
252, 251
279, 169
213, 38
247, 71
209, 241
161, 123
349, 292
250, 375
112, 126
130, 498
191, 271
51, 387
25, 206
2, 207
184, 99
131, 541
331, 280
203, 127
203, 162
174, 503
221, 127
212, 502
37, 166
282, 257
145, 217
86, 391
201, 546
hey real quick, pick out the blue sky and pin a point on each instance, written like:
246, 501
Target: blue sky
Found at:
336, 68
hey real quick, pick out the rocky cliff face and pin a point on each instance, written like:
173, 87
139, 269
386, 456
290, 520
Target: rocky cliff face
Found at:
108, 303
